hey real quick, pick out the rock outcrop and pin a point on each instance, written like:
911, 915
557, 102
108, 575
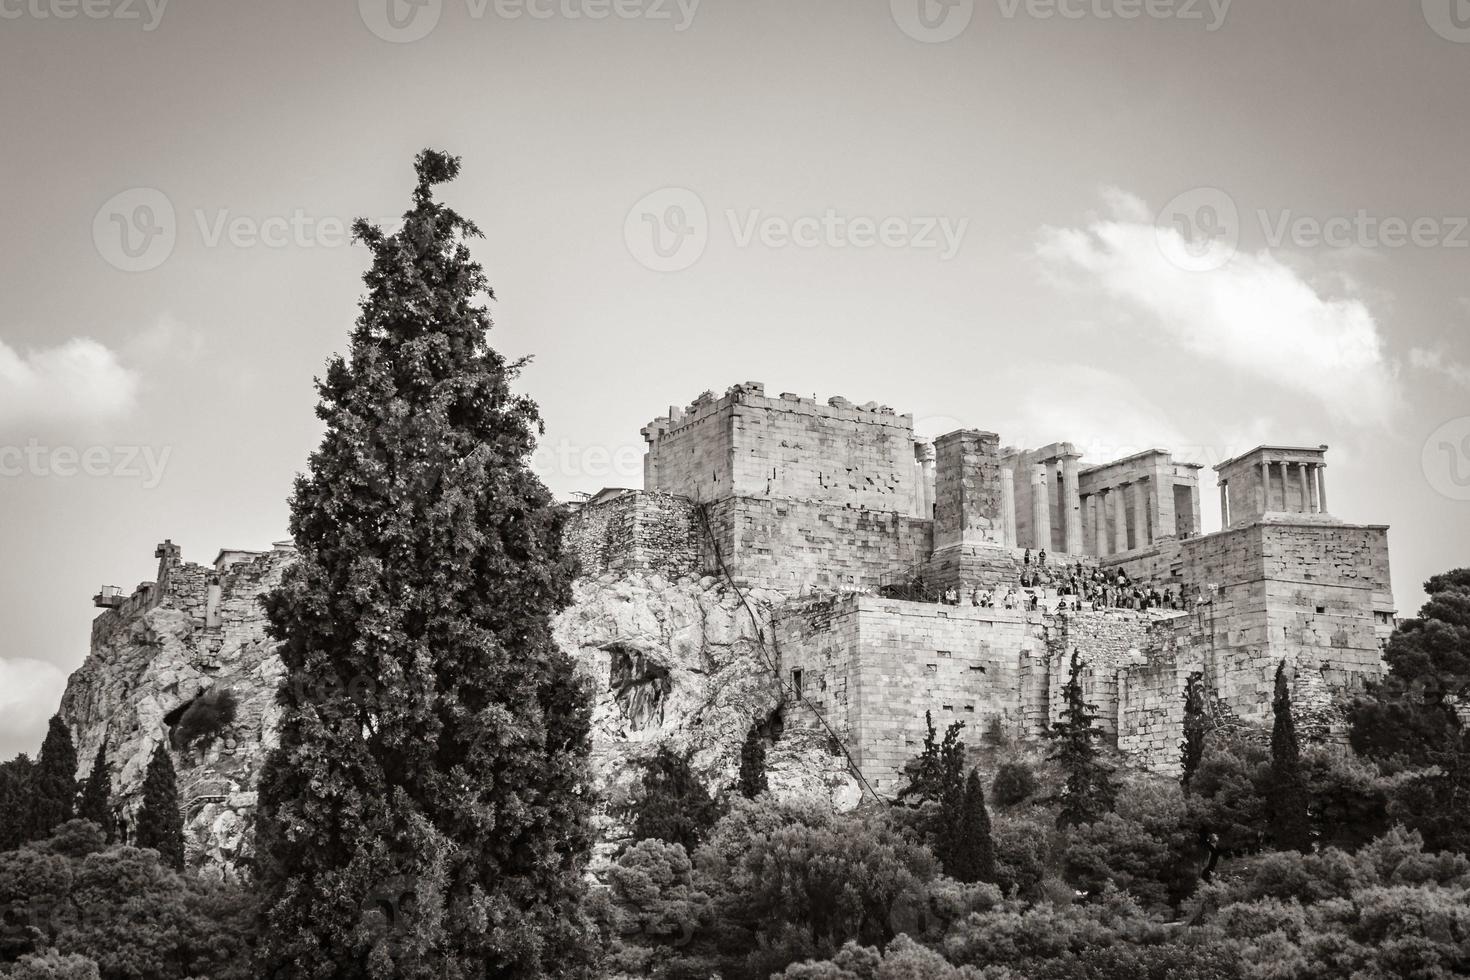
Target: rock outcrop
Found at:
672, 661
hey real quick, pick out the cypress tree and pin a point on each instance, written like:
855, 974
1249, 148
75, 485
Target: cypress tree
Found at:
674, 805
434, 738
1290, 822
96, 801
160, 825
753, 764
15, 796
53, 787
1089, 791
967, 849
1192, 749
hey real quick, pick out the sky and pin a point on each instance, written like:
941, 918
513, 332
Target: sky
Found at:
1189, 224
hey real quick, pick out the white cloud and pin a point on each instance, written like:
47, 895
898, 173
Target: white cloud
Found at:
30, 693
1437, 363
78, 380
1255, 315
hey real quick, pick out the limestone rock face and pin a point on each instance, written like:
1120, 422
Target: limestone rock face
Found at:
678, 663
148, 663
671, 662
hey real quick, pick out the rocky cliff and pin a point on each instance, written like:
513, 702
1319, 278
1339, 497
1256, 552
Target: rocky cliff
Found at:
672, 660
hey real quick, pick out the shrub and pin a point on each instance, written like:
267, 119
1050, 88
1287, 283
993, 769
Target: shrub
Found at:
1014, 782
205, 718
52, 965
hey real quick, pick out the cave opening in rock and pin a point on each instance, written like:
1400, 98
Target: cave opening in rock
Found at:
639, 686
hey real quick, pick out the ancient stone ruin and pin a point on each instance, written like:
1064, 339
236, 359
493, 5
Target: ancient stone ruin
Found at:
780, 568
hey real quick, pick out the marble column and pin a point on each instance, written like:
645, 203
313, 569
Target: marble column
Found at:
1265, 485
1303, 481
1008, 506
1224, 503
1072, 502
1040, 508
1322, 488
1143, 522
1120, 516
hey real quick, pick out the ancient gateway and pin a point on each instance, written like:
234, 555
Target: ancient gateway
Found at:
779, 567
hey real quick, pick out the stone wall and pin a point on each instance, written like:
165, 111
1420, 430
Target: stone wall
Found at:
748, 445
651, 532
875, 666
801, 546
1107, 643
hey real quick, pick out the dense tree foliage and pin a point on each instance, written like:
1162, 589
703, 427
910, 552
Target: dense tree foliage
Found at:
672, 804
1014, 782
967, 851
95, 803
120, 908
53, 782
1196, 724
160, 824
15, 797
1089, 791
426, 812
753, 764
1287, 805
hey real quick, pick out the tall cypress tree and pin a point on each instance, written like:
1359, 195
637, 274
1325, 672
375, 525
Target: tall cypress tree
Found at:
753, 764
160, 824
1192, 749
96, 801
967, 850
53, 788
1290, 822
15, 801
426, 812
1089, 791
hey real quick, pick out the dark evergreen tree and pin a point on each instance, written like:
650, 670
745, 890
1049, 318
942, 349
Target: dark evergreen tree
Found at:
1288, 800
1089, 791
753, 764
1192, 749
939, 769
426, 813
96, 802
53, 787
15, 806
160, 824
673, 805
967, 851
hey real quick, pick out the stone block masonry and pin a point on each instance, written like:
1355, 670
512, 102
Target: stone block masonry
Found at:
634, 531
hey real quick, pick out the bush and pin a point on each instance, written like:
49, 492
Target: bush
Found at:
205, 718
1014, 782
52, 965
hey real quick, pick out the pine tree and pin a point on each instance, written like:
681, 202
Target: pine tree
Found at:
1192, 749
1290, 822
434, 738
160, 825
967, 850
1089, 791
753, 764
53, 787
15, 805
96, 801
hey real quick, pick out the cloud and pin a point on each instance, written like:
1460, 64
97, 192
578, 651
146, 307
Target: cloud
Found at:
1255, 315
80, 380
1436, 362
30, 692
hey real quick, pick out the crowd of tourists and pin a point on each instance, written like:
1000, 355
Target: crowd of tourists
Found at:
1077, 588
